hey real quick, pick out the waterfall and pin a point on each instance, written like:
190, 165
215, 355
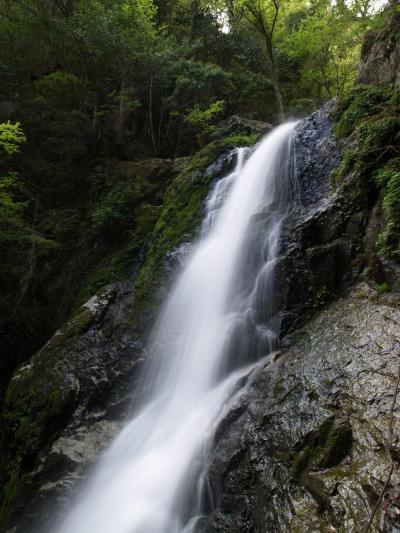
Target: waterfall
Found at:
221, 316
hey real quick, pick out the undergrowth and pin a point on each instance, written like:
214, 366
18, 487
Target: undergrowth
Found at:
369, 116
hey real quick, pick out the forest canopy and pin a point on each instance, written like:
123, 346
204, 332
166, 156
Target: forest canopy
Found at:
137, 68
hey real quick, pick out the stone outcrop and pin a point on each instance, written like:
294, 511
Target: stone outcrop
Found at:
309, 444
323, 243
380, 56
238, 125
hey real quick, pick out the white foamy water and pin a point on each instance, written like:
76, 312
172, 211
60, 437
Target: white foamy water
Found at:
219, 317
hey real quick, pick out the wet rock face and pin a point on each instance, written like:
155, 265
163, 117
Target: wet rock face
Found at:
322, 242
306, 448
316, 154
380, 55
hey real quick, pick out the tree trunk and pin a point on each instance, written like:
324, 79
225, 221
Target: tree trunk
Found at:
179, 138
121, 112
275, 79
153, 141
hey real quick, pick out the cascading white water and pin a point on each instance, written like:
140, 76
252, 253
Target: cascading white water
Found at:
219, 317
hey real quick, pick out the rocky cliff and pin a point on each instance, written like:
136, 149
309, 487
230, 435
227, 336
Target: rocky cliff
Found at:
312, 443
380, 57
313, 440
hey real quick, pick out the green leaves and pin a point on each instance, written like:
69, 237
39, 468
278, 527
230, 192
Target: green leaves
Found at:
11, 138
60, 90
203, 119
363, 101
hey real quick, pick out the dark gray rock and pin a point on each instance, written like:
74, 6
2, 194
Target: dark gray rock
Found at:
322, 242
380, 54
240, 125
308, 449
64, 405
317, 154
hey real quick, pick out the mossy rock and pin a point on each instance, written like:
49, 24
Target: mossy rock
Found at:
324, 448
40, 400
362, 102
371, 115
122, 221
151, 170
114, 265
337, 447
178, 221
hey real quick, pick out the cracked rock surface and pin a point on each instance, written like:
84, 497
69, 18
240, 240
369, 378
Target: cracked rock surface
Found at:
306, 448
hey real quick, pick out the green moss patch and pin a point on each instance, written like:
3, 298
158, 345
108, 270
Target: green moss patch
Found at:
178, 221
364, 101
318, 300
324, 448
371, 114
34, 405
240, 140
337, 446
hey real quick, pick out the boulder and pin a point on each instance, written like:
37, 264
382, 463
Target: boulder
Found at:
235, 125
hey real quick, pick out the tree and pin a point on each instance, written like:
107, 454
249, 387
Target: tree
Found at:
326, 43
11, 139
203, 119
263, 15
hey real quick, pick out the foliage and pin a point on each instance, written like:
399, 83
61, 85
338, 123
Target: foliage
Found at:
382, 288
324, 42
9, 208
372, 113
115, 210
204, 119
60, 90
239, 140
11, 138
362, 102
387, 177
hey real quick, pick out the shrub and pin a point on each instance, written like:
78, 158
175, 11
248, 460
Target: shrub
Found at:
59, 90
240, 140
387, 178
115, 211
203, 119
382, 288
364, 101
